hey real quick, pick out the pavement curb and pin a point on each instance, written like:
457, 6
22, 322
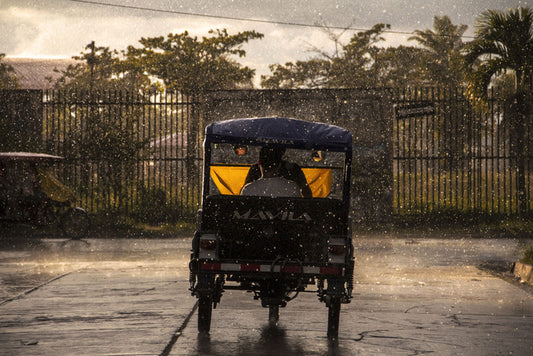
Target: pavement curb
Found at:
524, 272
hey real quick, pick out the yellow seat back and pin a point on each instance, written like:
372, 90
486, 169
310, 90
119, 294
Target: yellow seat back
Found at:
230, 179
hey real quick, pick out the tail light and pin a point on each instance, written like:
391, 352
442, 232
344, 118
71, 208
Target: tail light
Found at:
336, 250
208, 246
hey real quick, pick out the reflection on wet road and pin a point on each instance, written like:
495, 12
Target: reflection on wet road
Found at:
130, 297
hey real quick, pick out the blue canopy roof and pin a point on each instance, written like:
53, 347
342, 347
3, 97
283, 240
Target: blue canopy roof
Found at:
279, 131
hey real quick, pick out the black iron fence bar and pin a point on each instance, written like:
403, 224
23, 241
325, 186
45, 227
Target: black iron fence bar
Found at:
161, 117
449, 156
456, 157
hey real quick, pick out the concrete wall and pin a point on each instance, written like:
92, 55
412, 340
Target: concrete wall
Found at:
367, 114
21, 114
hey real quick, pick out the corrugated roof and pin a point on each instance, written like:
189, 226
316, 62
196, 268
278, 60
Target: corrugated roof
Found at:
32, 72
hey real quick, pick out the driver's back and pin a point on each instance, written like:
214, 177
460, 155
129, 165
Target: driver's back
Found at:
272, 187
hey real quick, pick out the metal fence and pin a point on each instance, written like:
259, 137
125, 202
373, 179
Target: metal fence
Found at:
450, 157
138, 153
141, 153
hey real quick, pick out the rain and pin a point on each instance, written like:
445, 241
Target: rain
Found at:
284, 178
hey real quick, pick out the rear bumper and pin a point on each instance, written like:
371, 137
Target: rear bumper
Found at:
257, 268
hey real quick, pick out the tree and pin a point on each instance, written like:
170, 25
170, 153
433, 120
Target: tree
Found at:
103, 134
359, 64
442, 52
100, 69
191, 65
8, 78
354, 64
313, 73
401, 66
441, 66
109, 141
504, 44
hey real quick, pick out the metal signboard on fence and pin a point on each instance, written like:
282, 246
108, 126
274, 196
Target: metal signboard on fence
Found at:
413, 110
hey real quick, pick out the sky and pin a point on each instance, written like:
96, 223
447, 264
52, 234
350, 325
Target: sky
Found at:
62, 28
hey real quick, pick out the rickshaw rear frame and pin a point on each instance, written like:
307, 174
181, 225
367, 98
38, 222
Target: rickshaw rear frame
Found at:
218, 256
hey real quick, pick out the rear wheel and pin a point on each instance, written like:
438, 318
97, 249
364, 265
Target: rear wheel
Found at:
205, 308
75, 223
46, 215
334, 311
273, 315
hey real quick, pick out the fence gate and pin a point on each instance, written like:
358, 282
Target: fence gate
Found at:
141, 153
448, 157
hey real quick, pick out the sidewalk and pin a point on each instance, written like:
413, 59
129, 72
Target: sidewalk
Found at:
98, 305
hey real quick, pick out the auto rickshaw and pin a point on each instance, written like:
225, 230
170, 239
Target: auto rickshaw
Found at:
30, 193
274, 246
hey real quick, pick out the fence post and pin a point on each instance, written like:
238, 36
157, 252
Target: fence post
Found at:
517, 117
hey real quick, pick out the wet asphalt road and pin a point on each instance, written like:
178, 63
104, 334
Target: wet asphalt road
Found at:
413, 295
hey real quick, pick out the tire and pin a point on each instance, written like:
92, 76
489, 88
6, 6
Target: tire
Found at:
75, 223
46, 215
205, 309
273, 315
334, 311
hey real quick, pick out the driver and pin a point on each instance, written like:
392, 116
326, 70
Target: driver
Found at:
273, 176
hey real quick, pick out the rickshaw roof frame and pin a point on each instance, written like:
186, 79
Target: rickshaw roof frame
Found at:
28, 157
278, 131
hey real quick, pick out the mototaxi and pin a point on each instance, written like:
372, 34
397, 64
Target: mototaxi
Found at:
274, 246
30, 193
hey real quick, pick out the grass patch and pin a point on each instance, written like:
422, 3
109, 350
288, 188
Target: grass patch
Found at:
111, 225
450, 223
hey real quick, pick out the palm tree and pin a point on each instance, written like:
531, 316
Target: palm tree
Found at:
442, 66
503, 45
504, 41
443, 47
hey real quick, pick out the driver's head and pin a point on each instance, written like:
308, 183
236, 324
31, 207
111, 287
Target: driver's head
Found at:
270, 158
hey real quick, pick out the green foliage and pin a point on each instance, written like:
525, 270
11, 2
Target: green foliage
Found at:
179, 61
120, 225
155, 205
401, 66
503, 42
8, 78
152, 205
109, 140
528, 255
193, 65
302, 74
351, 66
443, 217
357, 63
362, 62
100, 69
442, 52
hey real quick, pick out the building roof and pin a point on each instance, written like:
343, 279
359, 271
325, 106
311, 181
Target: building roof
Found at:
32, 72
